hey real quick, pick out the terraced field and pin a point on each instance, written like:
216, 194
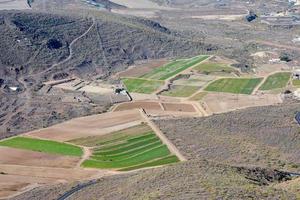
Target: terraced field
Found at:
173, 68
45, 146
234, 85
142, 85
275, 81
127, 150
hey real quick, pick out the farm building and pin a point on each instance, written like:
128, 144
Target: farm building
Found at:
296, 74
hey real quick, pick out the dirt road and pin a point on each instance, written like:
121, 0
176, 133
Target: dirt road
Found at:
163, 138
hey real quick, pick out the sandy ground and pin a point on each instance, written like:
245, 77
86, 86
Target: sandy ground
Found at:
31, 158
13, 5
222, 102
218, 17
89, 126
146, 4
266, 69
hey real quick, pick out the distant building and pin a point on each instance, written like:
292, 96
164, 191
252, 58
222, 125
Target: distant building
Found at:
296, 74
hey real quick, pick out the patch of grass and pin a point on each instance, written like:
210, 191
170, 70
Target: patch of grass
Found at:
199, 96
127, 154
126, 148
234, 85
166, 71
158, 152
142, 85
181, 91
161, 161
126, 142
45, 146
275, 81
296, 83
209, 67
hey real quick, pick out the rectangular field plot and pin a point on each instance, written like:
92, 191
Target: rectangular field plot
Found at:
210, 68
234, 85
132, 148
296, 83
45, 146
180, 91
275, 81
145, 86
173, 68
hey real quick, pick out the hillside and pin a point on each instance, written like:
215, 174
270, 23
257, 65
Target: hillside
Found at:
214, 168
37, 47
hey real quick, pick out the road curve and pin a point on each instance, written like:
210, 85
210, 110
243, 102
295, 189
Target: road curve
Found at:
80, 186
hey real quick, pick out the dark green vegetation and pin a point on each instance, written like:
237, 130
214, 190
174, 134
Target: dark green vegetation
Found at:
180, 91
45, 146
234, 85
129, 149
138, 85
275, 81
173, 68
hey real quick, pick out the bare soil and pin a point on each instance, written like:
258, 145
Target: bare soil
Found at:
89, 126
178, 107
12, 156
222, 102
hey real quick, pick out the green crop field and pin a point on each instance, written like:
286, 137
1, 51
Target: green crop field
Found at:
208, 68
142, 85
199, 96
166, 71
129, 151
296, 83
275, 81
45, 146
234, 85
180, 91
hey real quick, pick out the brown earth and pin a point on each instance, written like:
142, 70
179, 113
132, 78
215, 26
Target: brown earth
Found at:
178, 107
137, 105
89, 126
141, 69
12, 156
223, 102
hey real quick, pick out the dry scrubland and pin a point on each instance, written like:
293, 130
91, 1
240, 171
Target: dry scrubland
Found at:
265, 136
189, 180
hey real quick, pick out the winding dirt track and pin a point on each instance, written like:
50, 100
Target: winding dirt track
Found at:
21, 81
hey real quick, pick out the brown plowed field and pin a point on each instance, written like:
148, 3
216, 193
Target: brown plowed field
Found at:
221, 102
89, 126
14, 156
178, 107
142, 69
137, 105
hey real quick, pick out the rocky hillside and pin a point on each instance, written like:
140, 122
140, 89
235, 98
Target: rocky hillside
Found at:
36, 47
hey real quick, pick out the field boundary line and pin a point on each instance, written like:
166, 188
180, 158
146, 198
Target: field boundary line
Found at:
164, 139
